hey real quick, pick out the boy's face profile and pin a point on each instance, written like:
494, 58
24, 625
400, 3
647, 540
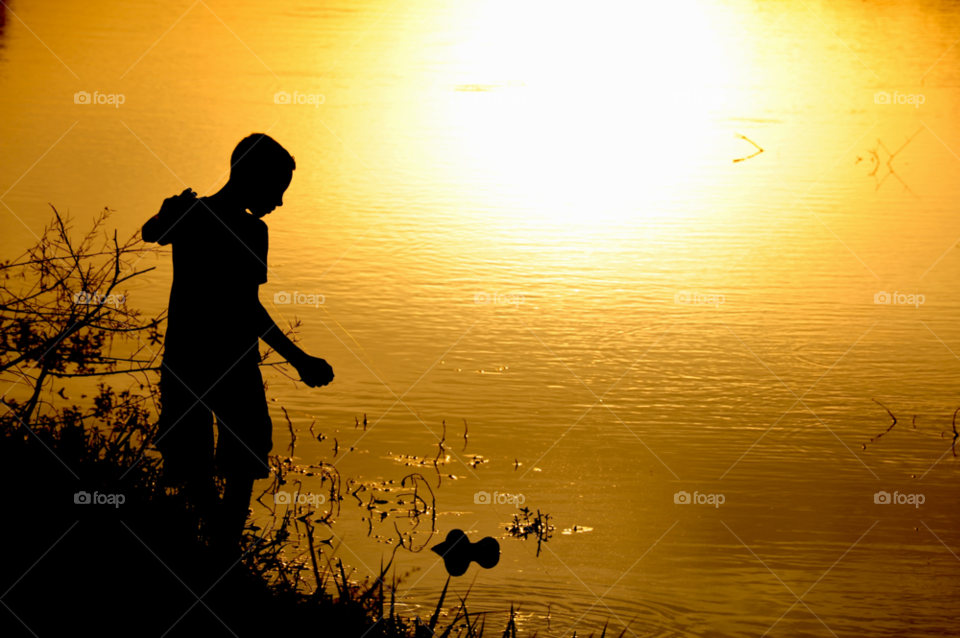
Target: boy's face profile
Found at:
265, 193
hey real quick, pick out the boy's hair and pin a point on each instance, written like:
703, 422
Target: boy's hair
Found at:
261, 154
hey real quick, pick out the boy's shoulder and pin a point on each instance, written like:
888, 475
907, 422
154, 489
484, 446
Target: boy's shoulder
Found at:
236, 220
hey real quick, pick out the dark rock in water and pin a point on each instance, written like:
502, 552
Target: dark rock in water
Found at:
457, 552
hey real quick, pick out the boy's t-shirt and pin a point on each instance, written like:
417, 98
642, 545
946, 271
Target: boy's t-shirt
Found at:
219, 261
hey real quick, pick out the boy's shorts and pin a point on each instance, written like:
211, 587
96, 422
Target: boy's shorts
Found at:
189, 401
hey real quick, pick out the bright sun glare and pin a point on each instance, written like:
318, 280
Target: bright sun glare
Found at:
578, 111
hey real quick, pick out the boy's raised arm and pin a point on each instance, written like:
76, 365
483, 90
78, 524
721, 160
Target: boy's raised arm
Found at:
158, 228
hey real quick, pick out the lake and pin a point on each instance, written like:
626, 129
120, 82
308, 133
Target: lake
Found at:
552, 222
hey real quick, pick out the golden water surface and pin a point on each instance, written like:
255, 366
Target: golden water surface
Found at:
527, 215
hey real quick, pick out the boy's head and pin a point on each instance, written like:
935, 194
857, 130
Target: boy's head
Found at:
261, 169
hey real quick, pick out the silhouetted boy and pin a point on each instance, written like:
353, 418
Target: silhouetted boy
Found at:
215, 323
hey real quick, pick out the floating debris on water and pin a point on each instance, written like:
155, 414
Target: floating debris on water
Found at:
876, 438
529, 524
744, 137
918, 430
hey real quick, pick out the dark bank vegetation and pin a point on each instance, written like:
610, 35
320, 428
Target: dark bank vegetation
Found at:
79, 366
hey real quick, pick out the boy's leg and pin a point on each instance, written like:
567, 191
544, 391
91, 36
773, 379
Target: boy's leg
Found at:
244, 440
236, 505
185, 440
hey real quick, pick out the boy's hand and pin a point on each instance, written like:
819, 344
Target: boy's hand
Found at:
158, 228
314, 372
177, 205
